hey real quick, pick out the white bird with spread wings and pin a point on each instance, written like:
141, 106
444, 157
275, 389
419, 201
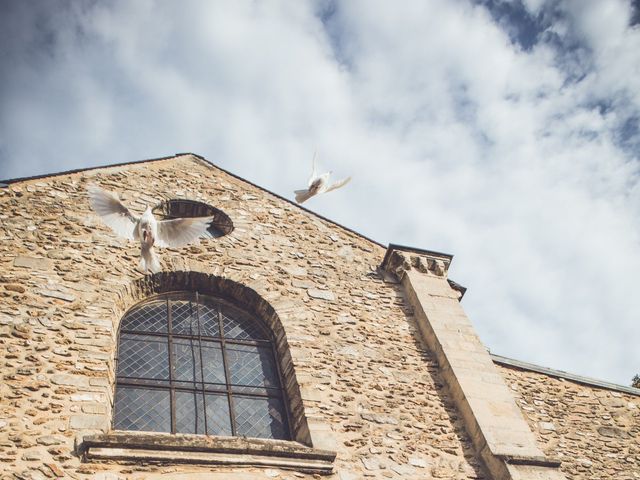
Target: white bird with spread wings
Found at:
147, 230
318, 184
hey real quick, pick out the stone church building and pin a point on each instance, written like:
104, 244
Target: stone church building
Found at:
284, 346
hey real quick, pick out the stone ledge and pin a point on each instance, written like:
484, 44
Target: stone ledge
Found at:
165, 448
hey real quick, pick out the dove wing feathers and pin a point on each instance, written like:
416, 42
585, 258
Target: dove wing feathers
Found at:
181, 231
338, 184
113, 213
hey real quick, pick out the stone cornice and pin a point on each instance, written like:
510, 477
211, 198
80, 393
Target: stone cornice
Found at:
399, 259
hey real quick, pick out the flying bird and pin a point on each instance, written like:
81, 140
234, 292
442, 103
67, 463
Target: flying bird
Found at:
147, 230
318, 184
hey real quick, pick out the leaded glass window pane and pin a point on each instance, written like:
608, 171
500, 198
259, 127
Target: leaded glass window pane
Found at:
238, 325
142, 409
186, 360
189, 412
209, 320
187, 365
213, 366
145, 356
251, 366
195, 364
152, 317
218, 418
259, 417
183, 318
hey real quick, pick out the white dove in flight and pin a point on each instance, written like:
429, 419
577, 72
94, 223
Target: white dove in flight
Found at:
147, 230
318, 184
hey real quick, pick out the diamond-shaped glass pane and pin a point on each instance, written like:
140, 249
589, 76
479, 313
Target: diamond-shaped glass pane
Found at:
218, 418
190, 407
142, 409
183, 318
239, 325
186, 360
187, 366
209, 320
189, 412
259, 417
212, 363
251, 365
143, 356
150, 317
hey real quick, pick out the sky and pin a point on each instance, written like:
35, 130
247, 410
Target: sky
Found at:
505, 132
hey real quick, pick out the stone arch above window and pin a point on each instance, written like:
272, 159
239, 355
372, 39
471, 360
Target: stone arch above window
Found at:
198, 364
253, 303
179, 207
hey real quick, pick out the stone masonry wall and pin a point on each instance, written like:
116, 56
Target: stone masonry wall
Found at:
365, 378
594, 431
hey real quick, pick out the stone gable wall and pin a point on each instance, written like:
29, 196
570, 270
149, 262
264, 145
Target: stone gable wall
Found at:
369, 388
594, 432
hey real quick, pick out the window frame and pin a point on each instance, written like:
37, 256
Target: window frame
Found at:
199, 388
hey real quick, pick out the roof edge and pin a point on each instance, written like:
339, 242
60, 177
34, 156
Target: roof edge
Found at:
592, 382
5, 183
87, 169
291, 202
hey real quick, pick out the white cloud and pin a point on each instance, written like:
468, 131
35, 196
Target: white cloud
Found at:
458, 139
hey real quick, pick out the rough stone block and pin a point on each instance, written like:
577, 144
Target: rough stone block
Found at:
89, 422
323, 436
321, 294
73, 380
34, 263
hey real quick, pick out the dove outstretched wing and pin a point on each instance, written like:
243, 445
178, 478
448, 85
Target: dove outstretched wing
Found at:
338, 184
178, 232
113, 213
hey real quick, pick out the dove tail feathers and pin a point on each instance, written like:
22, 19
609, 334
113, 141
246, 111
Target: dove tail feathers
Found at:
149, 261
303, 195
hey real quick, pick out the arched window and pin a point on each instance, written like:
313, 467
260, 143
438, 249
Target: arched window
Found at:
190, 363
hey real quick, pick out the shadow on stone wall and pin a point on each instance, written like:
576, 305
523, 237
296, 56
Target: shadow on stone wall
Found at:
452, 426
